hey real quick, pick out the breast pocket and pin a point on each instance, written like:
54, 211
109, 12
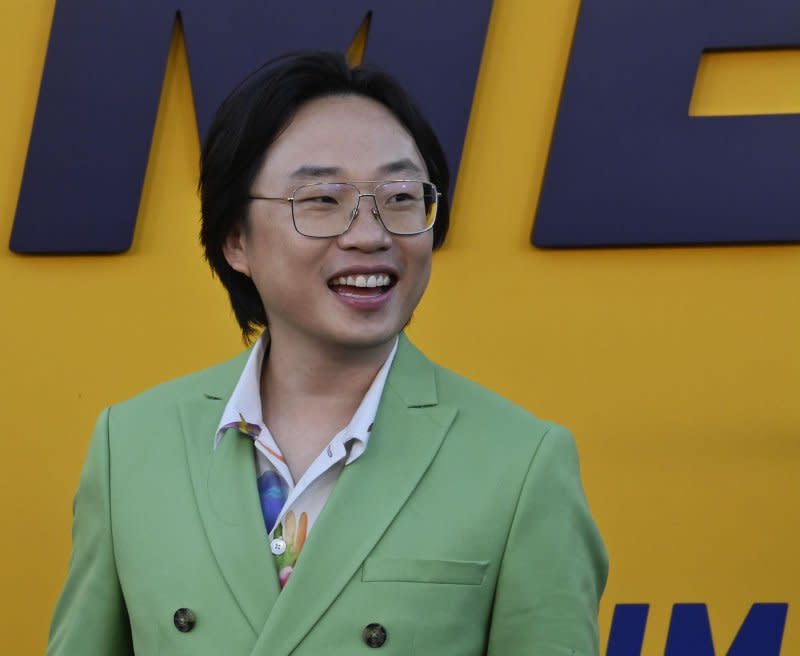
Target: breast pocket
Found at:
438, 606
416, 570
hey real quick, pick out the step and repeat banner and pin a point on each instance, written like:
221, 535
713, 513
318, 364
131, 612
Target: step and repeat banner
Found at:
623, 259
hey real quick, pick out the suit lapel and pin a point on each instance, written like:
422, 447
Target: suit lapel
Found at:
224, 482
408, 432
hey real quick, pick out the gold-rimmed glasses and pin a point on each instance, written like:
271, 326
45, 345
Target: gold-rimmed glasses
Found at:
328, 209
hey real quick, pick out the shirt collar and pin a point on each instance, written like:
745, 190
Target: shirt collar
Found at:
360, 425
243, 411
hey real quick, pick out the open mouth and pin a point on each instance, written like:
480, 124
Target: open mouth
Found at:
362, 285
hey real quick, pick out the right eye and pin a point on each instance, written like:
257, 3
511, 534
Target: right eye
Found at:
320, 200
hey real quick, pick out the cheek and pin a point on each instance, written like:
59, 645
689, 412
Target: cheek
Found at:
285, 264
420, 259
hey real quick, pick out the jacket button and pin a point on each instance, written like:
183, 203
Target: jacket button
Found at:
374, 635
184, 620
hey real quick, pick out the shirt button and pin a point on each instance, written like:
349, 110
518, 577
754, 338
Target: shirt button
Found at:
184, 620
374, 635
277, 546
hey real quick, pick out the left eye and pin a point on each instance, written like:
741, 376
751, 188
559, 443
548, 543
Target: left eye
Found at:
399, 198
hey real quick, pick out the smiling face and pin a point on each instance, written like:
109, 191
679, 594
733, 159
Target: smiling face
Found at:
353, 291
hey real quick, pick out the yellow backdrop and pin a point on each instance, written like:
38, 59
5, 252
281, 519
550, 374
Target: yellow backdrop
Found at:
678, 369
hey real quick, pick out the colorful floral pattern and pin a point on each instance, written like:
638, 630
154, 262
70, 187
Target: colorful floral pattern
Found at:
272, 491
294, 532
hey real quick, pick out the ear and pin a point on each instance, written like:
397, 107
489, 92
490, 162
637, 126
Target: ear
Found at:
234, 248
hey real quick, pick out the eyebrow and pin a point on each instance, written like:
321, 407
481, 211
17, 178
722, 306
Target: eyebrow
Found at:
311, 171
404, 165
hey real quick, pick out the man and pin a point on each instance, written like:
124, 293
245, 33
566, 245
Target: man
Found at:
230, 512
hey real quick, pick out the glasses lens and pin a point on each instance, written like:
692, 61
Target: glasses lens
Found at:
323, 210
406, 207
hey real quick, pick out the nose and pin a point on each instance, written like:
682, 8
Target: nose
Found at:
366, 231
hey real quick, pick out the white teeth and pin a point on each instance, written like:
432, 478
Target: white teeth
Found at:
373, 280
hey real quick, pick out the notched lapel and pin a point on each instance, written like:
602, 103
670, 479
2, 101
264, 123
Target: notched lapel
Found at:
369, 494
224, 482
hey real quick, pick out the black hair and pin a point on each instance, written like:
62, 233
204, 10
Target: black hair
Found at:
248, 122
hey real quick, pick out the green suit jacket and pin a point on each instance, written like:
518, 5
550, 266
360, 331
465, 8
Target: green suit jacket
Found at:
462, 529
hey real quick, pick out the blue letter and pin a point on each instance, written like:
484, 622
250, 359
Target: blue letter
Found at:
102, 78
629, 166
689, 631
627, 630
761, 633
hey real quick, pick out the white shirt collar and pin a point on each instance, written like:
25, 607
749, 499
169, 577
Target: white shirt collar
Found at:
244, 413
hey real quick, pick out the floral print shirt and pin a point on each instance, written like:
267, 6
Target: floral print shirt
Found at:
291, 507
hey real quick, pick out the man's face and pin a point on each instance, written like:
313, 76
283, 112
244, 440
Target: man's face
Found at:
333, 139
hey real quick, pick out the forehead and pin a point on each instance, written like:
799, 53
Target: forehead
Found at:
355, 135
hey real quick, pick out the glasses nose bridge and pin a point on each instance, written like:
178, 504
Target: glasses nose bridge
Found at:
375, 211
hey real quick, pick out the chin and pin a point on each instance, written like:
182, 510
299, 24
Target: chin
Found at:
360, 338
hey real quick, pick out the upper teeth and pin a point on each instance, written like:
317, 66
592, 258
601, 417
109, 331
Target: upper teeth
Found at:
379, 280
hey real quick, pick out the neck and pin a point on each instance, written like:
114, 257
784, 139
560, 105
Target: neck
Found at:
309, 393
296, 374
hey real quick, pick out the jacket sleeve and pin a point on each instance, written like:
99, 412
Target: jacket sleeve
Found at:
555, 566
90, 618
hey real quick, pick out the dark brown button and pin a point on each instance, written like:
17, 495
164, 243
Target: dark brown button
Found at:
374, 635
184, 620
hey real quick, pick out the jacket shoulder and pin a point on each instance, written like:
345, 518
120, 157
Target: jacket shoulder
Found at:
486, 410
496, 435
216, 381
